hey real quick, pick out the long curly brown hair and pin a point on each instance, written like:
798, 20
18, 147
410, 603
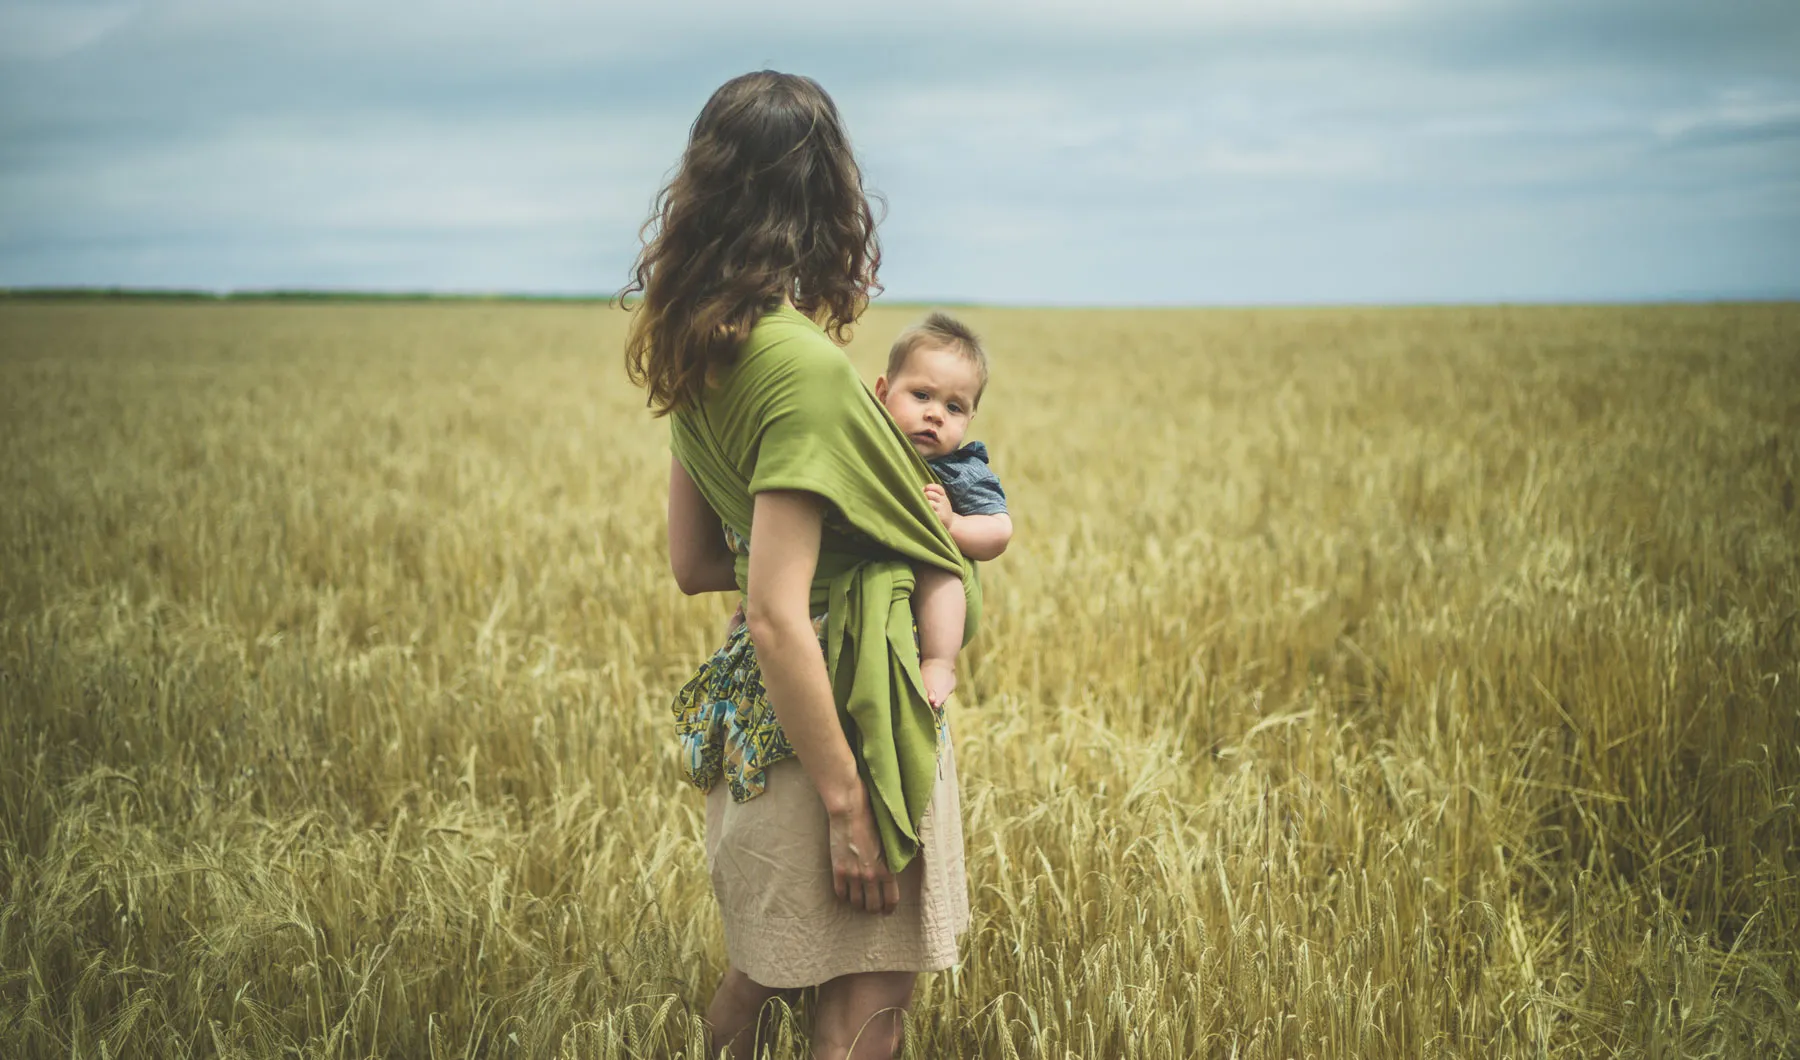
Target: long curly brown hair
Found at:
768, 202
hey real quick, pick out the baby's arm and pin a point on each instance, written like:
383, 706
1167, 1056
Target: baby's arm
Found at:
979, 537
939, 608
982, 537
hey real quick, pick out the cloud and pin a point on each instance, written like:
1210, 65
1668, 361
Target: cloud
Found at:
1293, 151
1734, 118
38, 29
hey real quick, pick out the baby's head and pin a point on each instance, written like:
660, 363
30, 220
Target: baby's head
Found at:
935, 375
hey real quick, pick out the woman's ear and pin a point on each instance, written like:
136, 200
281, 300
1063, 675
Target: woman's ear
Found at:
881, 389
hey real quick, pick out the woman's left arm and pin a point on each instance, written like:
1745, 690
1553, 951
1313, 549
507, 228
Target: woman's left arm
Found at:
697, 552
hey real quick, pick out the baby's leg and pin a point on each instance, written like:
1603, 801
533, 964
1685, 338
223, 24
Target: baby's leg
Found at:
939, 608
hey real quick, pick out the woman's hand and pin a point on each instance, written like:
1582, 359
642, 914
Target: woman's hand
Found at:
858, 873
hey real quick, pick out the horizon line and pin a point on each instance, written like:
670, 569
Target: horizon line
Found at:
74, 293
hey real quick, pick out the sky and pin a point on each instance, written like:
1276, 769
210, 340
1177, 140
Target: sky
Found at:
1028, 151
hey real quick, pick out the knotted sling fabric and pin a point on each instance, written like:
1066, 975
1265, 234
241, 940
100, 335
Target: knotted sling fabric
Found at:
792, 414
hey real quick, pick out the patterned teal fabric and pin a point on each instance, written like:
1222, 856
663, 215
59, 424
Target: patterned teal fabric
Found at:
726, 725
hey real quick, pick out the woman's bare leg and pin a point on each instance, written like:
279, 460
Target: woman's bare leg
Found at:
859, 1015
731, 1017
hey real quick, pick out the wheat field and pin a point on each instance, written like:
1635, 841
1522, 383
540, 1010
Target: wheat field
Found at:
1360, 683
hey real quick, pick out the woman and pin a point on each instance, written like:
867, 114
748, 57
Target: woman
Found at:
833, 835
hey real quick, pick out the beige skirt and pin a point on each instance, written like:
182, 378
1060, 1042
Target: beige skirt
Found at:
784, 925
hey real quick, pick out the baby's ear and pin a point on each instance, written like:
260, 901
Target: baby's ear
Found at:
881, 388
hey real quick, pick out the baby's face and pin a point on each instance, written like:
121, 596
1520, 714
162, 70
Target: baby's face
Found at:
932, 398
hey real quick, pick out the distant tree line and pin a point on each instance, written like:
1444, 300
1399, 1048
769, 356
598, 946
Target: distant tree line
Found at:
180, 294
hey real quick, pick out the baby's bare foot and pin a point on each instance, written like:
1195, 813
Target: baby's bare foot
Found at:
940, 679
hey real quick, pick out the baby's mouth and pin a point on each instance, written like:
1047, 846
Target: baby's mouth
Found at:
925, 437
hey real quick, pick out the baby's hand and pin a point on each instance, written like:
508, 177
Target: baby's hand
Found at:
940, 679
940, 503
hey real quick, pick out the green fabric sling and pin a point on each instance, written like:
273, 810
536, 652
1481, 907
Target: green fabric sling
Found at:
792, 414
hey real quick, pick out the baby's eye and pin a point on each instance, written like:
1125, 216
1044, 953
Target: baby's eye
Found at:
922, 395
954, 407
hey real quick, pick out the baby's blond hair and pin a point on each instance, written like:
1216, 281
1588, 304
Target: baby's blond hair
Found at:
940, 331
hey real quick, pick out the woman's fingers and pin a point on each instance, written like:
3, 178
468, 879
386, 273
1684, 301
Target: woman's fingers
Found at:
880, 888
859, 875
869, 887
872, 894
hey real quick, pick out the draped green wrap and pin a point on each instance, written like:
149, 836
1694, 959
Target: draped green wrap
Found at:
792, 414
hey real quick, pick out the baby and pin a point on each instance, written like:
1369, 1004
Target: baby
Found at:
936, 372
